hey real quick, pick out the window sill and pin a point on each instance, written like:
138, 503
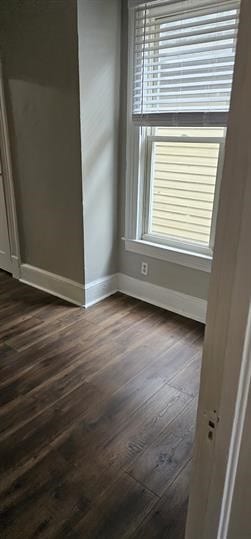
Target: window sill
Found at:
170, 254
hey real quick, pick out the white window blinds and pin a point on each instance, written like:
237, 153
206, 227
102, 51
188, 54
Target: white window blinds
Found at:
184, 55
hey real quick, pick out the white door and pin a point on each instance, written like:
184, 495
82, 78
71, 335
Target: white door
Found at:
222, 438
5, 257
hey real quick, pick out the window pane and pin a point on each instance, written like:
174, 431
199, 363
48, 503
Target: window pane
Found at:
183, 187
217, 132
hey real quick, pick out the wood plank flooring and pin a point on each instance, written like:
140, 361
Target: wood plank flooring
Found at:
97, 417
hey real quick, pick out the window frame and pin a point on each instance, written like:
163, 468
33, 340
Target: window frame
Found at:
135, 193
168, 240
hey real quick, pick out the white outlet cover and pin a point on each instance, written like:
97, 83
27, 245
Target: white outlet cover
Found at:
144, 268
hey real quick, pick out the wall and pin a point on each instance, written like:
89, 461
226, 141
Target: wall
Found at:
176, 277
99, 69
38, 44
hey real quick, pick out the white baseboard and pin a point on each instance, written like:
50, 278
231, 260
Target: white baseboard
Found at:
52, 283
96, 291
174, 301
100, 289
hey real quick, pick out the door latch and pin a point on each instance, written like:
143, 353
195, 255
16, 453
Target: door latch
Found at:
213, 420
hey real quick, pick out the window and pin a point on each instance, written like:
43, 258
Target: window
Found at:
180, 78
182, 169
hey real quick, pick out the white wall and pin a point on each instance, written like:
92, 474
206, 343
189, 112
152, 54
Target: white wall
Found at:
99, 71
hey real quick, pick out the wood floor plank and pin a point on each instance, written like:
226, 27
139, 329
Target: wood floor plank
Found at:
110, 446
32, 336
167, 340
167, 518
38, 502
117, 512
8, 331
97, 415
188, 379
74, 369
39, 432
163, 460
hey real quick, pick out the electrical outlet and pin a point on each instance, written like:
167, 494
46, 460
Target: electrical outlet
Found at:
144, 268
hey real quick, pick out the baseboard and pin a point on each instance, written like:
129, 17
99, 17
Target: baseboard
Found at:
96, 291
52, 283
174, 301
100, 289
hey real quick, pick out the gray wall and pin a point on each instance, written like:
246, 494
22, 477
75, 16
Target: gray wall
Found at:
99, 67
38, 44
176, 277
40, 41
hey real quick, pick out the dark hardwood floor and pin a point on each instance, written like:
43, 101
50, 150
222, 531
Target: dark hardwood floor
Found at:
97, 417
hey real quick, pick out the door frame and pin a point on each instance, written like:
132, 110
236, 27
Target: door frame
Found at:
226, 366
8, 182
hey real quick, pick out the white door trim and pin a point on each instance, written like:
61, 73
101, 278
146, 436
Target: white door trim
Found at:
225, 367
8, 182
237, 432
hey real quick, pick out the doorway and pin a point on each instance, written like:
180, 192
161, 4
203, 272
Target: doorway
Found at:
9, 241
5, 251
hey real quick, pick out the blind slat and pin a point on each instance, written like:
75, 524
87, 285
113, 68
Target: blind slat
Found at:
183, 8
187, 41
143, 29
195, 85
182, 119
166, 37
196, 65
196, 51
183, 65
191, 77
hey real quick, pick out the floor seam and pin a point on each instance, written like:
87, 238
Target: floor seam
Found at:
142, 485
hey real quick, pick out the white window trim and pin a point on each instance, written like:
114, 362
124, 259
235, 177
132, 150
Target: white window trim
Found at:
135, 165
170, 254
